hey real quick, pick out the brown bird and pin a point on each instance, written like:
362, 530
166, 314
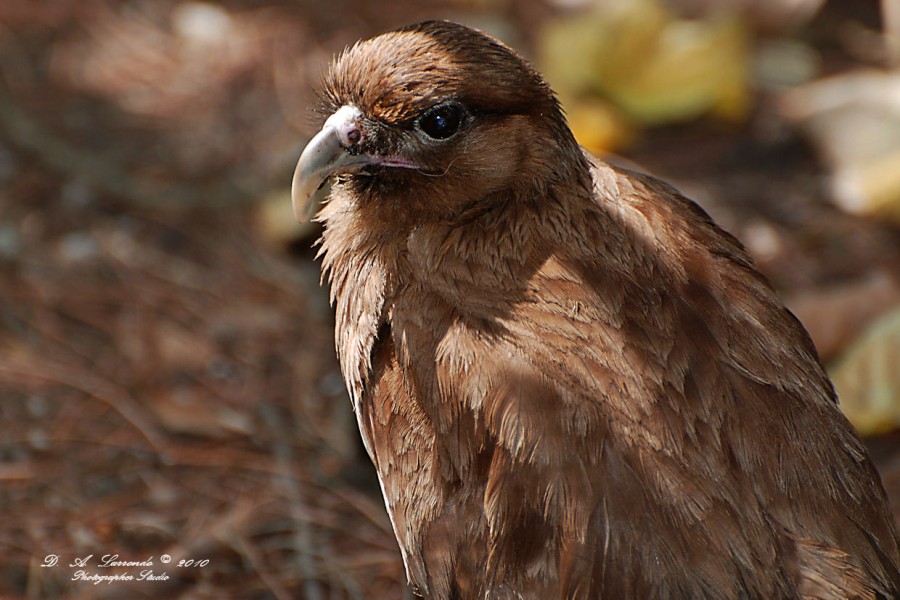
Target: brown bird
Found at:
572, 383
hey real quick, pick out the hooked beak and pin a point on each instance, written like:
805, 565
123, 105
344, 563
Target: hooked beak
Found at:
335, 149
326, 154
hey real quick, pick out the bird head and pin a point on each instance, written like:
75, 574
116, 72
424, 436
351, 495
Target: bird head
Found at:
434, 120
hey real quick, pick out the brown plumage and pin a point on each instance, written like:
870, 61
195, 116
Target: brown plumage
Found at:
571, 382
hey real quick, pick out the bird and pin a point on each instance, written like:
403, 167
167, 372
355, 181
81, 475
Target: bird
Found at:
571, 382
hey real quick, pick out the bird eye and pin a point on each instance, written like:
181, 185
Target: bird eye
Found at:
442, 121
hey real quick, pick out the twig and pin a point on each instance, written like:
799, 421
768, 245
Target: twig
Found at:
105, 172
115, 397
304, 540
246, 548
890, 10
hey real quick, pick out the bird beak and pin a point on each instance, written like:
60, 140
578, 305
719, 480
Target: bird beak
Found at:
329, 152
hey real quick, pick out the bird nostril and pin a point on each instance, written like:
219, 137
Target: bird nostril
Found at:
346, 123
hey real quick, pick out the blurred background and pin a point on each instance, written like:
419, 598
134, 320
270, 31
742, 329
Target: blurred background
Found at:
167, 374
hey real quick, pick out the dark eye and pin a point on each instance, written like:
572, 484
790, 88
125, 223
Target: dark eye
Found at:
442, 121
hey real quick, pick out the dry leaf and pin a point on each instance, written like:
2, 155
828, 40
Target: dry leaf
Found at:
275, 220
653, 66
854, 120
834, 317
868, 378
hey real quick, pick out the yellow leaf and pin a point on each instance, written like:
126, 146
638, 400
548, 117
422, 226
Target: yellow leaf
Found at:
653, 66
597, 125
867, 379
